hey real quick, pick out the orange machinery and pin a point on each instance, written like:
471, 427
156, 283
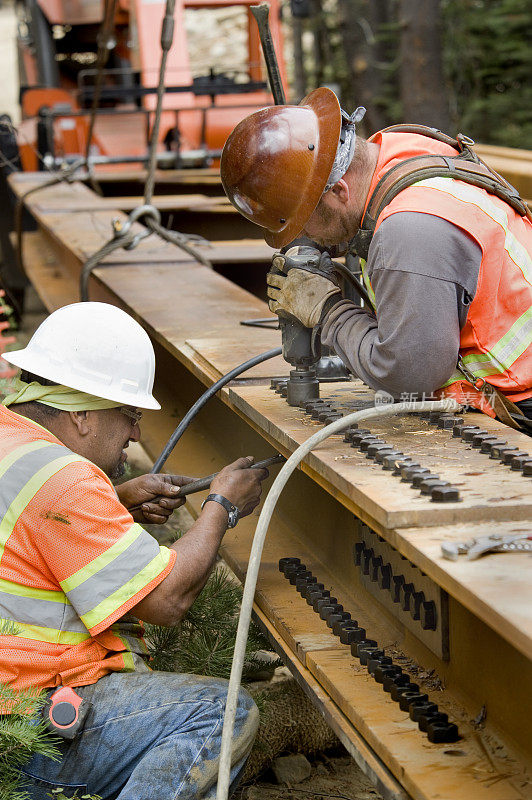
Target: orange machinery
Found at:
57, 44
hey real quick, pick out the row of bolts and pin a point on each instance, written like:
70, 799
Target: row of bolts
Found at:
380, 666
406, 467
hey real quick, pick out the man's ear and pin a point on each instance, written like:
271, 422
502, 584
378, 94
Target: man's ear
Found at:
80, 420
340, 190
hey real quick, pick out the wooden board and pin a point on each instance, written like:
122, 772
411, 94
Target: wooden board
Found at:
431, 769
489, 490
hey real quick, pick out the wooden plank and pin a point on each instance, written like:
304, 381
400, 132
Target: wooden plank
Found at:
497, 587
53, 282
388, 730
462, 771
488, 489
365, 757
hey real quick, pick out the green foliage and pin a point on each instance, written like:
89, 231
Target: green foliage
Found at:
203, 643
488, 58
22, 733
58, 794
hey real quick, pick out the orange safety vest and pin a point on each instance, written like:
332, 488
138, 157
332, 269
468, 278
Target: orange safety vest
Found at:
496, 340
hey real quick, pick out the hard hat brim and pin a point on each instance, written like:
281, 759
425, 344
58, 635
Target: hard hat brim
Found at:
29, 361
326, 107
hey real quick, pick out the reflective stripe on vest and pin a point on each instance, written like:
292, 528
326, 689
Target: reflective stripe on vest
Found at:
500, 357
39, 614
367, 282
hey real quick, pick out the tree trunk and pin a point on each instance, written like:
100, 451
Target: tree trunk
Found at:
423, 93
360, 24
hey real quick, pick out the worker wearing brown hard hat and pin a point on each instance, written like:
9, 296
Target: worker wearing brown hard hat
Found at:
445, 247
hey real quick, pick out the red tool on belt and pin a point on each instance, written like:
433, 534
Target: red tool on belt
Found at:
65, 712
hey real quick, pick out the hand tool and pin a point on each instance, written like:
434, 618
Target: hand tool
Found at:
495, 543
203, 483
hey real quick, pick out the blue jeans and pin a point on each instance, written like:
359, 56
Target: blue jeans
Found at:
154, 736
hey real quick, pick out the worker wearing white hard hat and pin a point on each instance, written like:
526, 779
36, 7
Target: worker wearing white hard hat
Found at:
78, 572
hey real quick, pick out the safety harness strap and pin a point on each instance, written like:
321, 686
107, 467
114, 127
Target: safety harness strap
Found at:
465, 166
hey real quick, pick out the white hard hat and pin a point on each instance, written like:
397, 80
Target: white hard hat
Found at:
96, 348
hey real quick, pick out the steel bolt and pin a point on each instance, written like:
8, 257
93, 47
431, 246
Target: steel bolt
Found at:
445, 494
385, 576
361, 645
296, 572
302, 583
382, 661
428, 615
508, 457
366, 560
313, 597
367, 652
396, 585
448, 421
418, 479
318, 604
405, 592
407, 473
416, 601
343, 624
518, 462
469, 432
376, 564
355, 431
429, 484
499, 451
480, 438
356, 438
527, 468
324, 411
423, 708
294, 569
486, 446
387, 671
397, 691
358, 551
436, 717
398, 680
365, 443
315, 588
458, 430
411, 697
330, 608
352, 636
401, 463
317, 410
440, 734
377, 447
284, 562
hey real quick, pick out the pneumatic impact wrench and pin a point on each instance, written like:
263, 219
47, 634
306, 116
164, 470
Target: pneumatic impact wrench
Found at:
302, 347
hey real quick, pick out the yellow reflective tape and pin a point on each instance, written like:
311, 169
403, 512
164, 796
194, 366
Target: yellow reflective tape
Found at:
128, 590
102, 560
129, 661
23, 450
50, 635
367, 282
19, 590
28, 492
479, 198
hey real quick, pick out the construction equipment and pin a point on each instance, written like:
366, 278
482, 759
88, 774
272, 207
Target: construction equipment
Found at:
63, 52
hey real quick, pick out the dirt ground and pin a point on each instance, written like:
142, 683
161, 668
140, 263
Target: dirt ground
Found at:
334, 775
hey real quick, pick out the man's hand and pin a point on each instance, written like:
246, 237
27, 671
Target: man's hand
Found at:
240, 484
156, 495
301, 283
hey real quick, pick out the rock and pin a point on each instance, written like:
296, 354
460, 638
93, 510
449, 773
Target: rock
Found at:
291, 769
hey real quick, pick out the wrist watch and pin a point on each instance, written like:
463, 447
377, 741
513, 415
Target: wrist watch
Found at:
232, 511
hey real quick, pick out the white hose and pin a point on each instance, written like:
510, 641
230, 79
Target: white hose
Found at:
388, 410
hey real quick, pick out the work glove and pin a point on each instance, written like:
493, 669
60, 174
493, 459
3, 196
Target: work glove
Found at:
302, 284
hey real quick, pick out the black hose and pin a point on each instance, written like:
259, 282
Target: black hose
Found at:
200, 402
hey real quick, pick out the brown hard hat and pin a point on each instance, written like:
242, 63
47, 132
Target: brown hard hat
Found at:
276, 163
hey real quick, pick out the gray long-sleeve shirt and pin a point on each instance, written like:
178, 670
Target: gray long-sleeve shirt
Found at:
424, 272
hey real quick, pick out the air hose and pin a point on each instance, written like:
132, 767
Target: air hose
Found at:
256, 552
200, 402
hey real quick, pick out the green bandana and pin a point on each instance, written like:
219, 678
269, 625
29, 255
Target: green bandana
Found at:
62, 397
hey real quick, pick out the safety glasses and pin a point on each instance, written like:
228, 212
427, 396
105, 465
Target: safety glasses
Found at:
134, 416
